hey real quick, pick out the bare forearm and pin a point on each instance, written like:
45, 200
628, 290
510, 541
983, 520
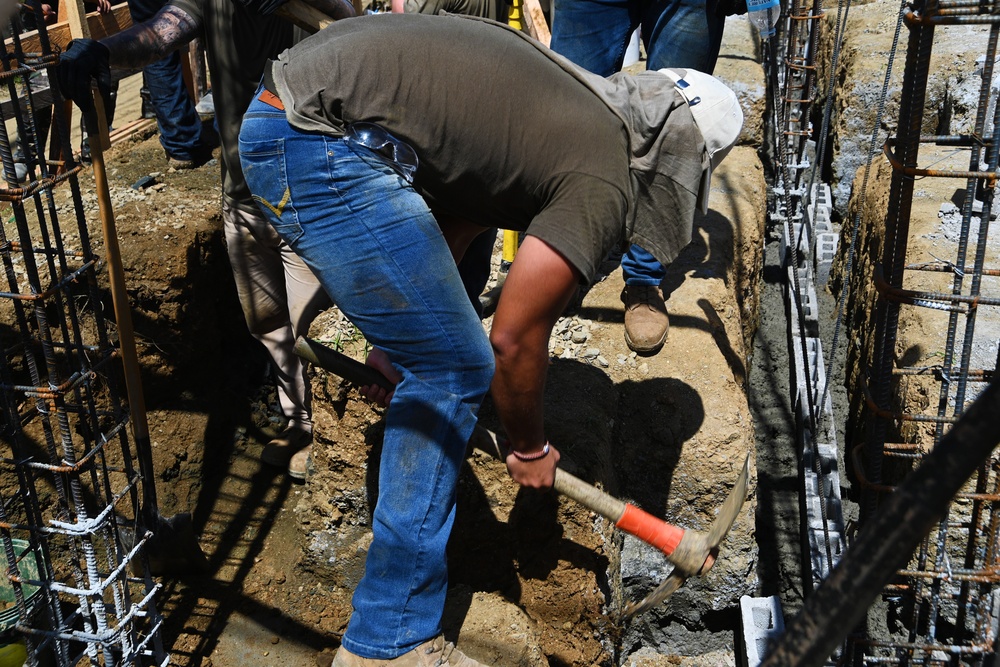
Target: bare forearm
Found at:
518, 393
147, 42
537, 288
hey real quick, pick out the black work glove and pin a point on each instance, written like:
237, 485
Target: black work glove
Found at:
83, 61
262, 7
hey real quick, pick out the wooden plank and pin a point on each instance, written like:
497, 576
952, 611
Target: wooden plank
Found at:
539, 28
98, 26
131, 129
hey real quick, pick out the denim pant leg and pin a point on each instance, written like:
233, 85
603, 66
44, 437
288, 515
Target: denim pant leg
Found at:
179, 124
639, 267
594, 34
682, 33
377, 250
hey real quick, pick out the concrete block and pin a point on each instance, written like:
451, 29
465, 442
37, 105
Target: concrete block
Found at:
806, 371
803, 246
807, 301
820, 562
820, 195
826, 251
834, 506
828, 465
821, 222
827, 428
762, 622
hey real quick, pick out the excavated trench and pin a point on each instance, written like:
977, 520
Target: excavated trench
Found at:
535, 580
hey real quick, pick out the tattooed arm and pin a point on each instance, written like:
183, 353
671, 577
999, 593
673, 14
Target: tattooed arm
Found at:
147, 42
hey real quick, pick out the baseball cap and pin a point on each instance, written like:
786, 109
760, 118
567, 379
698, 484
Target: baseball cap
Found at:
717, 114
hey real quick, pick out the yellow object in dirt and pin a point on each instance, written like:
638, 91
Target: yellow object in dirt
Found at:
14, 654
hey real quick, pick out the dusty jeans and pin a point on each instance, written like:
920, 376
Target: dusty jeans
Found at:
378, 251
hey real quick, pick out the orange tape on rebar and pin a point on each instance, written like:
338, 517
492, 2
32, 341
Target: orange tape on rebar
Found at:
650, 530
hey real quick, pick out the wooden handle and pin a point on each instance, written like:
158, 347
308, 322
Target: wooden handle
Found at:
99, 142
304, 15
340, 364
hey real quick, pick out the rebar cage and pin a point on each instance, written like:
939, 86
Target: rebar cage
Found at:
80, 591
943, 608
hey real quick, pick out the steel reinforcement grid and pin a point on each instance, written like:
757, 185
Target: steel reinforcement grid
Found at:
76, 589
943, 608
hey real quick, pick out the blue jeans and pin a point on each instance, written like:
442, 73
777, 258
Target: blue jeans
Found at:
594, 34
676, 33
179, 124
374, 245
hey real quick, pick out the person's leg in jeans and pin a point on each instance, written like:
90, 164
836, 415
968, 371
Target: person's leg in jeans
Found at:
676, 33
594, 34
280, 298
376, 248
179, 124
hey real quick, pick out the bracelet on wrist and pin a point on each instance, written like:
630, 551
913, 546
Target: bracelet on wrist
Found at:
541, 454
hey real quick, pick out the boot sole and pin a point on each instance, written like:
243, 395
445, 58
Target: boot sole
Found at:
653, 349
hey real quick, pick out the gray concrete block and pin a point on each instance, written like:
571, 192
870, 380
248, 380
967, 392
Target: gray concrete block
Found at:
762, 623
820, 562
821, 222
820, 195
809, 304
826, 251
814, 503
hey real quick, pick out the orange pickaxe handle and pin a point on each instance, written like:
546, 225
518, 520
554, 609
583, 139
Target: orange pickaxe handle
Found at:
650, 529
628, 518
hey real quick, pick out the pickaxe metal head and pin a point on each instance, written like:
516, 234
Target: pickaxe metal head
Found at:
697, 551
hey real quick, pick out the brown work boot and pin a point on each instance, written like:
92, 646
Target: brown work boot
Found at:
646, 320
300, 465
435, 653
286, 448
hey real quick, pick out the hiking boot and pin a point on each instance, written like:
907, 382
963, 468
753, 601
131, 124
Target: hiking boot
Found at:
646, 320
199, 156
435, 653
180, 163
301, 465
285, 447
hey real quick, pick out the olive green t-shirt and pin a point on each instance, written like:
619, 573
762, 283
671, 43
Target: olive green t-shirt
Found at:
505, 137
238, 43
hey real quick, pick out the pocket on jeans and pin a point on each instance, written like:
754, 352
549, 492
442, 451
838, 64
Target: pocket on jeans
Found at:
266, 174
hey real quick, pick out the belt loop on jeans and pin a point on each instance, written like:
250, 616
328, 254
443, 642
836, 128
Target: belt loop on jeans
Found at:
270, 93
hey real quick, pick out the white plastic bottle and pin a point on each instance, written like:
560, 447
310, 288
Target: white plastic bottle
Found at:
764, 15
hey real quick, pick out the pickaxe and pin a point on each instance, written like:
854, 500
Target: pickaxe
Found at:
691, 552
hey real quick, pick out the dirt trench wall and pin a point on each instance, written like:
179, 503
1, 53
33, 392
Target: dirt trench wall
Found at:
952, 86
951, 102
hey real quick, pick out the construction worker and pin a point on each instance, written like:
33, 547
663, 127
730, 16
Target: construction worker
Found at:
278, 294
595, 34
419, 132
